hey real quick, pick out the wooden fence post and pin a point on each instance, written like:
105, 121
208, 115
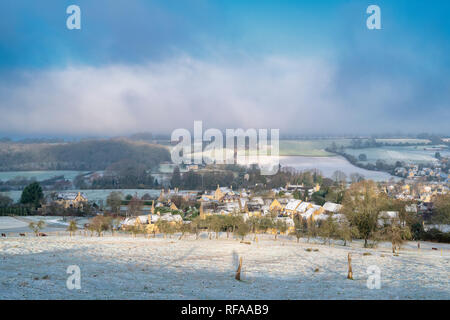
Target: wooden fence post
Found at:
350, 271
238, 272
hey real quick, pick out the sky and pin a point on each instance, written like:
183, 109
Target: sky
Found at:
304, 67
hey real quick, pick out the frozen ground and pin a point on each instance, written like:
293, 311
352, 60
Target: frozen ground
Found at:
123, 267
19, 224
7, 223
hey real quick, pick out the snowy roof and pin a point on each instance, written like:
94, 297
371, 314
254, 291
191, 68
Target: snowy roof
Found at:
231, 206
226, 190
307, 214
303, 206
143, 219
69, 195
172, 217
283, 200
257, 200
154, 217
310, 211
332, 207
322, 216
128, 222
293, 204
388, 214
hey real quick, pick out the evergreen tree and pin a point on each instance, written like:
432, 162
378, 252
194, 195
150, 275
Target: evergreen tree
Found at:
175, 182
32, 195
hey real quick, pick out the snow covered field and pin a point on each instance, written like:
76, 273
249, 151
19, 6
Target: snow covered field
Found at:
123, 267
19, 224
7, 223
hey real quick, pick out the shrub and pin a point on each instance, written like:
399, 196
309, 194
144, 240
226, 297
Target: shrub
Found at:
72, 227
36, 226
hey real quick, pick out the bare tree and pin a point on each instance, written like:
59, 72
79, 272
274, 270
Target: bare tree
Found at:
196, 226
36, 227
184, 228
72, 227
281, 227
99, 224
114, 201
396, 233
242, 229
328, 229
299, 226
134, 206
362, 205
339, 177
442, 212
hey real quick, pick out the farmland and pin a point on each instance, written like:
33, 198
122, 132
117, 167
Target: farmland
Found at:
309, 148
414, 154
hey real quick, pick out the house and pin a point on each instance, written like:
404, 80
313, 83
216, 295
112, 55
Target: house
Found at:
172, 218
386, 217
276, 206
136, 221
222, 194
192, 167
411, 208
149, 219
292, 206
71, 200
303, 207
331, 207
231, 198
312, 212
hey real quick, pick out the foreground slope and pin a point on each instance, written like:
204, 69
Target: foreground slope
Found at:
123, 267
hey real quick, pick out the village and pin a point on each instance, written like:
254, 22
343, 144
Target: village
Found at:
292, 209
235, 244
218, 151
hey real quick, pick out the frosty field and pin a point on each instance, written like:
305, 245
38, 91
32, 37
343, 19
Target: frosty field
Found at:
328, 165
123, 267
411, 154
39, 175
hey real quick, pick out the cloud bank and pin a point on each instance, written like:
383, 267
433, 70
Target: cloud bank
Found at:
297, 96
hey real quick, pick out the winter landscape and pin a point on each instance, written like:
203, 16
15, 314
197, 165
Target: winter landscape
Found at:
224, 150
126, 267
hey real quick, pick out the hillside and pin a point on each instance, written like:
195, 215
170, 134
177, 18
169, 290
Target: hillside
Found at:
158, 268
84, 155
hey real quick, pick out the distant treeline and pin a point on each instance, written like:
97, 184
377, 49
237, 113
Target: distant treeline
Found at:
124, 174
373, 143
242, 177
18, 183
17, 211
84, 156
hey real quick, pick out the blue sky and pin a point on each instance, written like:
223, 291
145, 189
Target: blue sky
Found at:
282, 64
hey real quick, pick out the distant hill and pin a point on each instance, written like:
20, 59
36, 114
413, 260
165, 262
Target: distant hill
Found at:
85, 155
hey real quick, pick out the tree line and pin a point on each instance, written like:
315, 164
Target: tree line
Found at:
88, 155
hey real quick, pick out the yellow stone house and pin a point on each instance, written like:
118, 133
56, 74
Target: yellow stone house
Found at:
71, 200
